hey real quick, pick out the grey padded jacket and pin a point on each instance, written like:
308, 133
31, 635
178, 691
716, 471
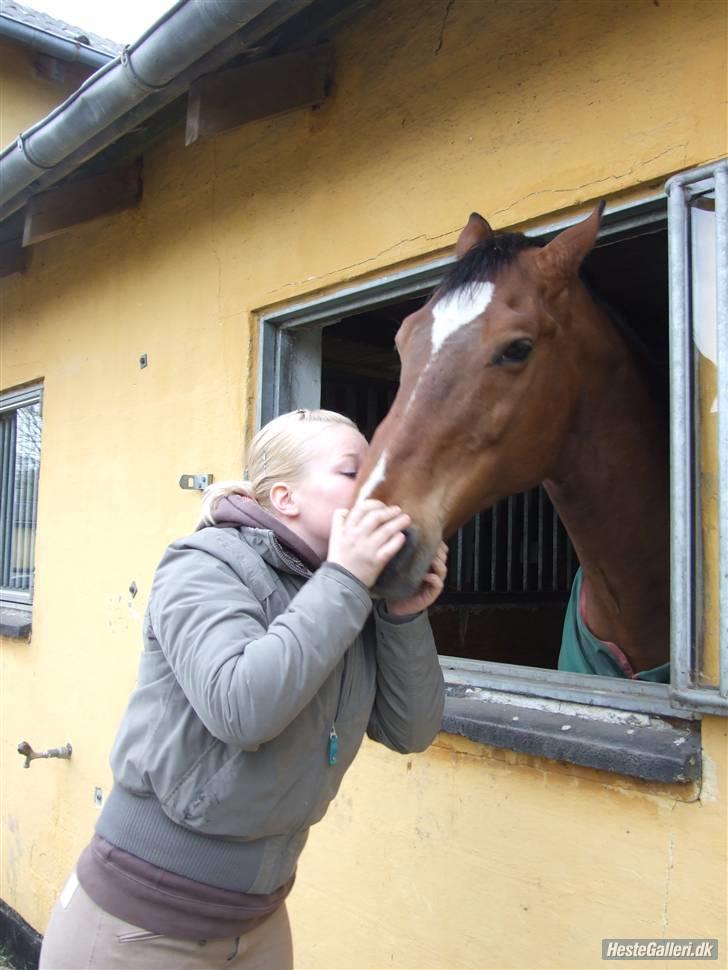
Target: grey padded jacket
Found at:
253, 669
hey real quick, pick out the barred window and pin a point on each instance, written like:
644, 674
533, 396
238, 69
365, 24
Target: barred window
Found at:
20, 441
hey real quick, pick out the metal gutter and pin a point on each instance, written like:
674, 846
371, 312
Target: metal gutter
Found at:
54, 45
191, 39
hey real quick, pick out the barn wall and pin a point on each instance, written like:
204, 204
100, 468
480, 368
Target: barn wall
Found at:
25, 94
465, 856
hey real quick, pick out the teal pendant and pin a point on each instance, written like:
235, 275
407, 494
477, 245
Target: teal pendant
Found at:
333, 746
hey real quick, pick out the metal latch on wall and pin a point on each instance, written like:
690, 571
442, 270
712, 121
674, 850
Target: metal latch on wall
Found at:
25, 749
196, 482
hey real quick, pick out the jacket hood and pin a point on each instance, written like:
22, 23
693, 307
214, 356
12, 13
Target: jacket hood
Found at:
237, 511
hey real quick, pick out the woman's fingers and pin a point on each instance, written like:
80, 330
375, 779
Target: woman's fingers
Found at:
371, 518
435, 580
387, 550
360, 510
384, 530
439, 568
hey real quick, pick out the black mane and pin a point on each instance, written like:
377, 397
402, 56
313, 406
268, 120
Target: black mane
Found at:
485, 260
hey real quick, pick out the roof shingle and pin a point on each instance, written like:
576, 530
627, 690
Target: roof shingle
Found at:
43, 21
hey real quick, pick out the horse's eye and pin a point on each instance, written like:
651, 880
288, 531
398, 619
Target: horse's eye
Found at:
515, 353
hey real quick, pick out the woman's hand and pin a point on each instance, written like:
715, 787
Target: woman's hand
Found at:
364, 538
431, 587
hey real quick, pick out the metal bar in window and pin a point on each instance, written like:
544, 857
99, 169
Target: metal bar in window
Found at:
539, 585
458, 560
721, 214
23, 517
6, 494
27, 524
570, 570
18, 501
21, 509
509, 534
34, 519
20, 512
476, 553
681, 570
524, 543
493, 547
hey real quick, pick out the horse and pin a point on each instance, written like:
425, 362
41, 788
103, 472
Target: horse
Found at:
514, 374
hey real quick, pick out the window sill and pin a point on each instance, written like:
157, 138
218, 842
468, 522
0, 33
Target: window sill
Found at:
628, 743
15, 624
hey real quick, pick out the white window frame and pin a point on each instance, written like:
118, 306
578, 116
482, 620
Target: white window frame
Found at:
289, 376
20, 601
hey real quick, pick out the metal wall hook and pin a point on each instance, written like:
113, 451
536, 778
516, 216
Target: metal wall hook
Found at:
25, 749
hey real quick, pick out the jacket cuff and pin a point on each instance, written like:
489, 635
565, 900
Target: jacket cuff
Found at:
350, 580
380, 608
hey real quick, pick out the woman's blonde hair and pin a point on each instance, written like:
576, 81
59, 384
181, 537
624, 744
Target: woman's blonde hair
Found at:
277, 453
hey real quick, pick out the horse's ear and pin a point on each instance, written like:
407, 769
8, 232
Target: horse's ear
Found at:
563, 256
476, 231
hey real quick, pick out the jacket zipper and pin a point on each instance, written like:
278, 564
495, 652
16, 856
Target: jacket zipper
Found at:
333, 747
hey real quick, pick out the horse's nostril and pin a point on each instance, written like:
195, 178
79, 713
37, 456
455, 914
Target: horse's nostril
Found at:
410, 538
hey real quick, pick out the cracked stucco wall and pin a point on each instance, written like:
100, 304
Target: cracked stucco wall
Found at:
465, 856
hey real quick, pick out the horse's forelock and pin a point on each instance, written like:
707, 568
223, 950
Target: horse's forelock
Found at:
485, 260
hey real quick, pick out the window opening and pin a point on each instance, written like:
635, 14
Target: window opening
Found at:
511, 567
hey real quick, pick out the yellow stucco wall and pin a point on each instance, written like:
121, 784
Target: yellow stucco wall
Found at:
465, 856
25, 95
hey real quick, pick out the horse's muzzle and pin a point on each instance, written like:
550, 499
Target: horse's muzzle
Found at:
403, 574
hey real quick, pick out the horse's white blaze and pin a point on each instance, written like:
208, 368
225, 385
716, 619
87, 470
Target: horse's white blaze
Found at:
376, 477
413, 395
457, 309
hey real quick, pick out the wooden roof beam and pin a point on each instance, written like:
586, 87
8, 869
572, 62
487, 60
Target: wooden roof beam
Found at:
13, 258
71, 203
231, 98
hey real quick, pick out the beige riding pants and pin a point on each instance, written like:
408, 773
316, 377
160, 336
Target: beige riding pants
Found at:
81, 936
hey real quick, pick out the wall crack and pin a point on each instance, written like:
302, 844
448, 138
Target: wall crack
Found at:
448, 8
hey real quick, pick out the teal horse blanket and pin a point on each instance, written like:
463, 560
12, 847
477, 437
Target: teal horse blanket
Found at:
582, 653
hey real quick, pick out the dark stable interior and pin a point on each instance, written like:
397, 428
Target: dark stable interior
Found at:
510, 567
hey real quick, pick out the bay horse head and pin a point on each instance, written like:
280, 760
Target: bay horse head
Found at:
490, 379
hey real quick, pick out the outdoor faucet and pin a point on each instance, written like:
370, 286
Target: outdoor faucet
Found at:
24, 748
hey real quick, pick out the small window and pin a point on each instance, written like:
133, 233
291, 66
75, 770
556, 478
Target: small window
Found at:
21, 425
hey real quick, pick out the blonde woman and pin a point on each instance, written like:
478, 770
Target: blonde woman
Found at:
265, 663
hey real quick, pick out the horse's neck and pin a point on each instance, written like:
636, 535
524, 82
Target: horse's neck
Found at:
610, 488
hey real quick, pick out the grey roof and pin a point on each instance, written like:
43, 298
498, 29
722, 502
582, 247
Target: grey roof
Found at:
43, 21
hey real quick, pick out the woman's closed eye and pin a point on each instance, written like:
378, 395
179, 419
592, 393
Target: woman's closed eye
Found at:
349, 474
